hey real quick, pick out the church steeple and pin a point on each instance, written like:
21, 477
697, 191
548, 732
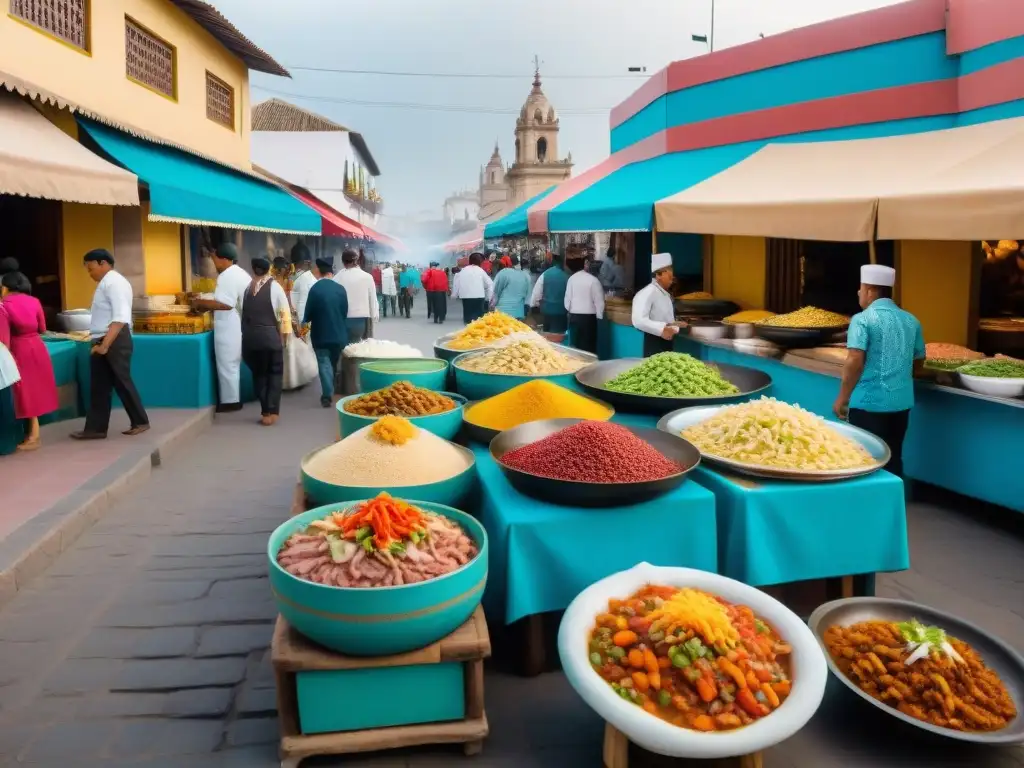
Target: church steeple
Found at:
536, 72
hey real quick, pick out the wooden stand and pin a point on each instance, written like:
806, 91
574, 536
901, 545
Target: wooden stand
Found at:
616, 754
292, 653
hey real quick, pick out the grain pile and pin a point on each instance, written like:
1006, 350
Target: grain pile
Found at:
534, 401
364, 459
807, 317
524, 358
400, 399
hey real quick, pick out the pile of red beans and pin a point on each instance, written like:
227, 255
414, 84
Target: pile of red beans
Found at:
592, 452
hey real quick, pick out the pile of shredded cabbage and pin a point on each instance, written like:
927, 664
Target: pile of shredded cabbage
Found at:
771, 433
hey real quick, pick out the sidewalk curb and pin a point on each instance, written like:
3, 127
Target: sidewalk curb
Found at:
33, 547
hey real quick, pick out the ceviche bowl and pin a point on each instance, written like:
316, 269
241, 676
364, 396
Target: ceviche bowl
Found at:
807, 671
379, 621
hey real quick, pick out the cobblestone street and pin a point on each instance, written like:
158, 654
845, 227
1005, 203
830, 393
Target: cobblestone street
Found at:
145, 644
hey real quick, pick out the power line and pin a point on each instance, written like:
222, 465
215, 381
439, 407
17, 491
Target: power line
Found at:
466, 109
462, 75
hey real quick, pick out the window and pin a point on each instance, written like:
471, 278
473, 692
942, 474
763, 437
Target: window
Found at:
149, 61
66, 20
220, 101
542, 149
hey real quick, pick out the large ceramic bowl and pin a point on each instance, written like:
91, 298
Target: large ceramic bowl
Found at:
385, 620
428, 373
808, 669
452, 491
445, 425
989, 385
479, 386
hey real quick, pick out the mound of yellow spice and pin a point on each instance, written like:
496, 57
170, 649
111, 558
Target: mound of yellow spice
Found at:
534, 401
393, 429
487, 330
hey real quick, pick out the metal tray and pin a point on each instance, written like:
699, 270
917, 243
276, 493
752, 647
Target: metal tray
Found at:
799, 338
578, 354
997, 655
592, 379
677, 421
706, 307
579, 494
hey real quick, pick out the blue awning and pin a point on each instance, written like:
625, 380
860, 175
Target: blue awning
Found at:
187, 189
514, 222
624, 200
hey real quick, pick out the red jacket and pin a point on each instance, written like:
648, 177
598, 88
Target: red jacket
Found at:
435, 280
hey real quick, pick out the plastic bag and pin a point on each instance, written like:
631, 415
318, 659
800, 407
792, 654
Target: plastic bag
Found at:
300, 366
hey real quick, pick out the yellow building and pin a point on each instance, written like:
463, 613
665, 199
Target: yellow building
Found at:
154, 88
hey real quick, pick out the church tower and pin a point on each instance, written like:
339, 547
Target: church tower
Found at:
537, 164
494, 190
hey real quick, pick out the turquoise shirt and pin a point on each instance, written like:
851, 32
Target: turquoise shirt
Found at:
891, 340
512, 291
410, 278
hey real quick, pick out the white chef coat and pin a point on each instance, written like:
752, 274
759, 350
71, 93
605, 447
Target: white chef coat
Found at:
584, 295
473, 283
300, 291
362, 293
387, 282
653, 309
111, 303
227, 332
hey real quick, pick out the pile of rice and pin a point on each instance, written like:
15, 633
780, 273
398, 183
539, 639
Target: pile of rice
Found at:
380, 348
363, 459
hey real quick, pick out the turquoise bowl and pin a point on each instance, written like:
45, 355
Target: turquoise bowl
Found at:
428, 373
453, 490
384, 620
479, 386
445, 425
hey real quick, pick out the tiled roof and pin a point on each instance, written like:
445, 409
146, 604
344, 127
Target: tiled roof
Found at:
214, 22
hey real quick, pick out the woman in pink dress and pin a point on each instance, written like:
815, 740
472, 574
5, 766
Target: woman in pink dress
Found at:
36, 393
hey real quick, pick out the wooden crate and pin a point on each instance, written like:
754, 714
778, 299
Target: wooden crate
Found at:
292, 655
616, 755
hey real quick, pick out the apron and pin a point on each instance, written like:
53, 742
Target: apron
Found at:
227, 349
655, 344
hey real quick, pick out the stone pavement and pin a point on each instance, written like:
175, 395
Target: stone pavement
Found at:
145, 644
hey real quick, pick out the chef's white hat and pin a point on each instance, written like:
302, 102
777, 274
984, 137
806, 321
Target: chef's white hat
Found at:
660, 260
876, 274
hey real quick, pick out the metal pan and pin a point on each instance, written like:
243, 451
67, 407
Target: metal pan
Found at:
996, 654
592, 379
578, 494
705, 307
797, 338
674, 423
485, 435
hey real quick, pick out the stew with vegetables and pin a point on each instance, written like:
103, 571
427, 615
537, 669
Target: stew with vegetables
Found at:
691, 658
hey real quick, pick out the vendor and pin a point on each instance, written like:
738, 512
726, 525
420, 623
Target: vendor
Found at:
653, 310
226, 306
885, 348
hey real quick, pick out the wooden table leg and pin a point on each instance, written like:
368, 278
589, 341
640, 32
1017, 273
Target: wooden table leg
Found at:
535, 653
616, 748
847, 589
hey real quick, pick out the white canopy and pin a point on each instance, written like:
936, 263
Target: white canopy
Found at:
37, 159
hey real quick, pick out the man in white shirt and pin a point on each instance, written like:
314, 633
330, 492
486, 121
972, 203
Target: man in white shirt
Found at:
363, 309
584, 301
475, 288
110, 365
226, 306
304, 279
653, 309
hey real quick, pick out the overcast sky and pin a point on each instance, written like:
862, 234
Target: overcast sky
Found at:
424, 154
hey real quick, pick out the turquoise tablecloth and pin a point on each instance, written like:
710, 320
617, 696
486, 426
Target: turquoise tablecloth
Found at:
543, 555
174, 370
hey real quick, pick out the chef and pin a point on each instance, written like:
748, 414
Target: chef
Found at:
232, 281
653, 310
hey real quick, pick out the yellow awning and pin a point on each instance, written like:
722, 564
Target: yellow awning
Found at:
37, 159
836, 190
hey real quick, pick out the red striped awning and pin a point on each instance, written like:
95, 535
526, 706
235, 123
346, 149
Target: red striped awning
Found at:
333, 223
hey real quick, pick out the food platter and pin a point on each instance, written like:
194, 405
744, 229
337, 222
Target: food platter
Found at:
997, 655
749, 381
677, 421
579, 494
797, 337
809, 670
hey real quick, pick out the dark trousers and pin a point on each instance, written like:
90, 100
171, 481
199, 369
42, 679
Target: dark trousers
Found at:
405, 302
555, 323
112, 373
472, 309
385, 301
655, 344
327, 365
267, 366
890, 427
583, 330
437, 305
430, 303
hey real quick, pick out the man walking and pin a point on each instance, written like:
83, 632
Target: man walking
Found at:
110, 364
363, 309
885, 348
474, 287
584, 301
303, 280
408, 284
266, 321
389, 290
549, 295
326, 317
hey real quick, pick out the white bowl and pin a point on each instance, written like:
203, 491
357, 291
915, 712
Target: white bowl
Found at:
989, 385
808, 668
742, 330
76, 320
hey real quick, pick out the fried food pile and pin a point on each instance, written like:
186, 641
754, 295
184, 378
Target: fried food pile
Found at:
920, 677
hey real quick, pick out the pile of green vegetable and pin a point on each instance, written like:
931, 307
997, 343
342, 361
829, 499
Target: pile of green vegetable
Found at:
672, 374
994, 369
939, 364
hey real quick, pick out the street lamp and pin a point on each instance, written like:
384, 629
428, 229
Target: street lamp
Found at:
708, 40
